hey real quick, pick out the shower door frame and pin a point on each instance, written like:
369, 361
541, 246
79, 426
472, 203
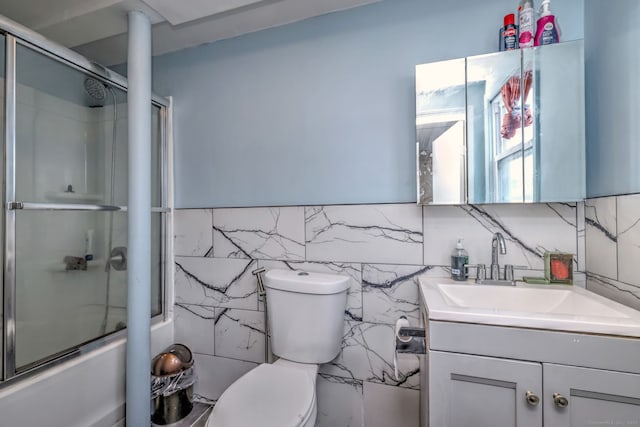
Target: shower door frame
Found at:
17, 34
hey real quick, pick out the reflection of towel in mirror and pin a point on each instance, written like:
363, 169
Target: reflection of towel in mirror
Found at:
510, 92
510, 124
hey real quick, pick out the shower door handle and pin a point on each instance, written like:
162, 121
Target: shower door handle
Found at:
12, 206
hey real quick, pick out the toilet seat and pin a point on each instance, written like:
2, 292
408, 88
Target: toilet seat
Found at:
267, 396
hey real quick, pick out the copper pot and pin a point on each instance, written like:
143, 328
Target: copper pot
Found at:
174, 359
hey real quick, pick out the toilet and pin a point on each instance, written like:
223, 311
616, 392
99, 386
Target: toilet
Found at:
306, 317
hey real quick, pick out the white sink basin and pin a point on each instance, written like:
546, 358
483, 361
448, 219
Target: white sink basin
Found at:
555, 307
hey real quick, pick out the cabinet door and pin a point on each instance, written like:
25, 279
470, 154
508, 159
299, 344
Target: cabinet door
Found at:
495, 140
554, 166
483, 391
440, 125
593, 397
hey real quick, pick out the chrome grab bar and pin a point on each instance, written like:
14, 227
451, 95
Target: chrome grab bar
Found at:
28, 206
60, 207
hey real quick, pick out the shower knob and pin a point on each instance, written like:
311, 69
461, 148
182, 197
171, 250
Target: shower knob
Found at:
118, 258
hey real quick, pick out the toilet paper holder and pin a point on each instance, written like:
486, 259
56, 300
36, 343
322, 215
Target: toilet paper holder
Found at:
410, 339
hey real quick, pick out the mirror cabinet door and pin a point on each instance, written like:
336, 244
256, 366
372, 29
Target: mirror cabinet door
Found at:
496, 141
440, 132
557, 169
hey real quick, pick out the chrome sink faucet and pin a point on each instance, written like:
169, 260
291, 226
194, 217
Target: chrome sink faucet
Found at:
498, 246
497, 243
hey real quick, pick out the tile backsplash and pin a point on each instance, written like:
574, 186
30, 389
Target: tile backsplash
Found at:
613, 247
382, 248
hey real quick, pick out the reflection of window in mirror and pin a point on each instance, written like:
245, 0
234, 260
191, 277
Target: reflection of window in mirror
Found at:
508, 142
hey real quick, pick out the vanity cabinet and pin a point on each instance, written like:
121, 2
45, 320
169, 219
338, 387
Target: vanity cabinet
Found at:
469, 390
526, 355
491, 376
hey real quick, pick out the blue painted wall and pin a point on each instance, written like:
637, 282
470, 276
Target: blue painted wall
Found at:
321, 111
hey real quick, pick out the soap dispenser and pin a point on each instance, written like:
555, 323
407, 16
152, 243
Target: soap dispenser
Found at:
547, 30
459, 259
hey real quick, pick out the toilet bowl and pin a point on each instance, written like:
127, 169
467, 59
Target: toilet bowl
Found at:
271, 395
306, 312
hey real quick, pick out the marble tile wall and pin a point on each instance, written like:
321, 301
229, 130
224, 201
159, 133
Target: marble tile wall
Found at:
382, 248
613, 247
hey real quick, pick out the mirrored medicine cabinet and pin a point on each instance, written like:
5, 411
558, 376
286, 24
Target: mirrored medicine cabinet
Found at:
506, 127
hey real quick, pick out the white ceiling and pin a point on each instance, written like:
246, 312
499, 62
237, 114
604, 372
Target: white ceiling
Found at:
97, 28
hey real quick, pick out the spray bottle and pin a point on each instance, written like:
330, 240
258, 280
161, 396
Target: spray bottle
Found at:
547, 31
509, 33
527, 23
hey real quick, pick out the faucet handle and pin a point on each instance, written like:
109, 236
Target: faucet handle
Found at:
481, 270
508, 272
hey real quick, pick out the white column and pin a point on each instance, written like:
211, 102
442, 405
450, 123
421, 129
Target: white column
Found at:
139, 215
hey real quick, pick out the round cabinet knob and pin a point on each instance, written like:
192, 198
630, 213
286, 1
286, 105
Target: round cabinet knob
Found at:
560, 400
532, 398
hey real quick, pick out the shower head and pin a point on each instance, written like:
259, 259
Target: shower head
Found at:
96, 90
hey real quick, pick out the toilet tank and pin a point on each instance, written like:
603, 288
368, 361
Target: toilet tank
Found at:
306, 314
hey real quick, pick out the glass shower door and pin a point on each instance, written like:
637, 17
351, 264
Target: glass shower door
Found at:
70, 219
69, 145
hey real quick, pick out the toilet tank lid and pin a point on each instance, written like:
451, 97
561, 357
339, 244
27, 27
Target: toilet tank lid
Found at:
306, 282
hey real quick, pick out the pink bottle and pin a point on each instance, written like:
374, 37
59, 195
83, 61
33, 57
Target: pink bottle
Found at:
547, 29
